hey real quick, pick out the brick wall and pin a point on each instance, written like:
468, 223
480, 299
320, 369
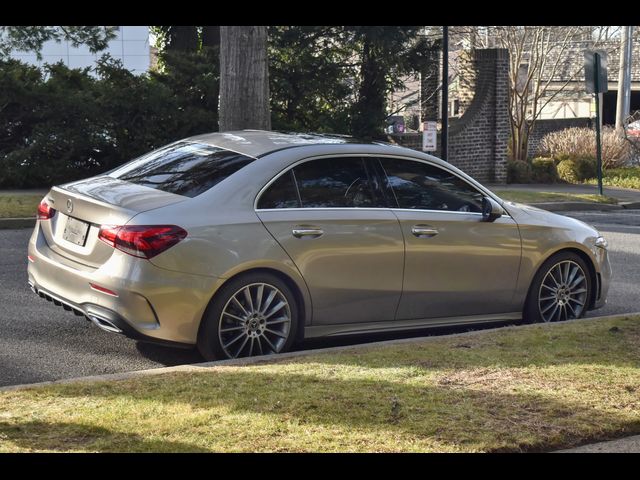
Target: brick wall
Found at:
542, 127
478, 139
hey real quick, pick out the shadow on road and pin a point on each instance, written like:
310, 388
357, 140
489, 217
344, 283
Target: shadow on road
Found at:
168, 356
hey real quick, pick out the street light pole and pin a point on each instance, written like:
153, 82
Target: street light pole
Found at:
624, 78
445, 93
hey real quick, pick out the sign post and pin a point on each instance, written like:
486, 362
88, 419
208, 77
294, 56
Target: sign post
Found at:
595, 71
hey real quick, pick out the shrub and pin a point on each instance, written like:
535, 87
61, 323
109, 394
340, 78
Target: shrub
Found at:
620, 177
586, 167
518, 171
543, 170
567, 171
62, 124
577, 170
575, 143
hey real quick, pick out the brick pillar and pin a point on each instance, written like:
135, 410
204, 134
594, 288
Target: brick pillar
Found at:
466, 79
478, 139
502, 129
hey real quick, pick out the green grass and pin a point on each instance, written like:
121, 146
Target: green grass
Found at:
523, 196
620, 177
19, 205
533, 388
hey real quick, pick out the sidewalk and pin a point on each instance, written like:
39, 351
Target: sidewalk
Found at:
623, 445
622, 194
627, 198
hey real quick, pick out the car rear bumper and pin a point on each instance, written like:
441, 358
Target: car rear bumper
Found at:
104, 318
150, 303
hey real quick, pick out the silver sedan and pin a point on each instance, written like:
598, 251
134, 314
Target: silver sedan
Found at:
245, 242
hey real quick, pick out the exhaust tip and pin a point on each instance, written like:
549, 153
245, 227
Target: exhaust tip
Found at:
104, 324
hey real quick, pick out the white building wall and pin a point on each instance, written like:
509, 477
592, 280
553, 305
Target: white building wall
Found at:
131, 46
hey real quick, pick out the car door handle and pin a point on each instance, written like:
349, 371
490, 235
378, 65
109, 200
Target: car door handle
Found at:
424, 231
303, 231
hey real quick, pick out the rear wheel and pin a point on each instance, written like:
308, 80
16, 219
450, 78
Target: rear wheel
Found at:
254, 314
560, 290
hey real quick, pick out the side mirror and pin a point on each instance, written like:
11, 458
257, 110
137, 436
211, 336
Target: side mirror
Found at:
491, 210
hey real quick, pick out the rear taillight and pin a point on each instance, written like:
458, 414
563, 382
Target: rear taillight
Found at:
45, 212
143, 241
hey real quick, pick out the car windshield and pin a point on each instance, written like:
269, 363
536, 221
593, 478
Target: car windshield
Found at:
182, 168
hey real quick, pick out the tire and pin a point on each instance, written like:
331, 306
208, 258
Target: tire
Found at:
237, 324
568, 274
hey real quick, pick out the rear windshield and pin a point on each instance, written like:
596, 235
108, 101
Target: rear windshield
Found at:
182, 168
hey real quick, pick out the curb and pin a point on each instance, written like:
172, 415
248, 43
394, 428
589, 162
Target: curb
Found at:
630, 205
198, 367
12, 223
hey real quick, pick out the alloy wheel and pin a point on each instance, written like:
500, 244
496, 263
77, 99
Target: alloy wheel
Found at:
563, 292
255, 321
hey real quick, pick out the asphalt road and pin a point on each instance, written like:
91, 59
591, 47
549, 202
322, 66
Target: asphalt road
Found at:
39, 341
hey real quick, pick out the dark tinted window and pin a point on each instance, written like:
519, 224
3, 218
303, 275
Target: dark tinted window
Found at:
183, 168
335, 182
422, 186
280, 194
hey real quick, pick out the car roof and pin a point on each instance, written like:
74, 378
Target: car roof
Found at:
258, 143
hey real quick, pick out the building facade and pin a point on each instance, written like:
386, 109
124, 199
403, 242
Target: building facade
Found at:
131, 46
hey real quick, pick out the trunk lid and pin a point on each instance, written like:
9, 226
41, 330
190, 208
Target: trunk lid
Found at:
83, 206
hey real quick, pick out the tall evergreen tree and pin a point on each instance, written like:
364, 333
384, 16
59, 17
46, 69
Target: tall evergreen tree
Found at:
310, 77
385, 54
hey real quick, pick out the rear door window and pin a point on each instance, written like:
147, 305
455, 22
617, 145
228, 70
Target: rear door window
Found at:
336, 182
182, 168
281, 194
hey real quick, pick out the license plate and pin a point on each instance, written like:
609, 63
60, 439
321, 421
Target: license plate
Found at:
75, 231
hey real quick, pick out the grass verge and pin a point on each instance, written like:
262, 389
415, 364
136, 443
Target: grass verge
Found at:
628, 177
534, 388
19, 205
540, 197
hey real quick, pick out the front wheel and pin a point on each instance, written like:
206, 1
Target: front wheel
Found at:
560, 290
254, 314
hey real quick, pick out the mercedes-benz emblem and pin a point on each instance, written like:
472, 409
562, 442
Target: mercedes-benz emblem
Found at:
69, 206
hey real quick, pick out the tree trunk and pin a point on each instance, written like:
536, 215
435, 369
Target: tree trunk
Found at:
183, 38
244, 78
211, 36
520, 143
370, 109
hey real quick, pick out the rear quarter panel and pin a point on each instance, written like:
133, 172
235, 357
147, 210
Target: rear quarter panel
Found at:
225, 236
